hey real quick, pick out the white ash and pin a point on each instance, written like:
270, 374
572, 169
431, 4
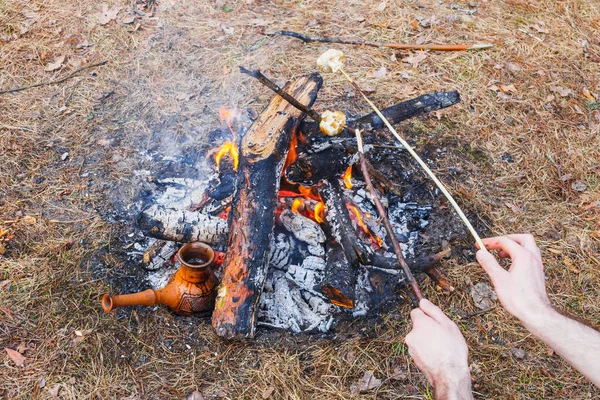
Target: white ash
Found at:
283, 305
159, 278
163, 255
304, 229
308, 275
281, 250
290, 299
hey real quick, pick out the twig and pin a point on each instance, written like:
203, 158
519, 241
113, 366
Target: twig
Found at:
61, 80
421, 162
438, 47
386, 222
271, 85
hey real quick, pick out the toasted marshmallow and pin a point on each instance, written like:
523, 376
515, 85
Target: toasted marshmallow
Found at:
332, 122
331, 61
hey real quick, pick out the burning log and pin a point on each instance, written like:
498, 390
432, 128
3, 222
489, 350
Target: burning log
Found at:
262, 154
182, 226
322, 157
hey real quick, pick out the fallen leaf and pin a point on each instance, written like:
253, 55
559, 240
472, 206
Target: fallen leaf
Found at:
483, 295
71, 381
55, 65
128, 19
578, 186
381, 6
513, 67
350, 357
562, 91
367, 382
54, 390
508, 88
227, 29
516, 209
79, 336
22, 348
426, 23
554, 251
539, 28
2, 251
398, 374
566, 177
268, 392
549, 351
15, 356
28, 219
415, 58
380, 73
195, 395
518, 352
107, 14
569, 264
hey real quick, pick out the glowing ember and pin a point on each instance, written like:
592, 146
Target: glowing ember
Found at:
348, 177
320, 212
231, 149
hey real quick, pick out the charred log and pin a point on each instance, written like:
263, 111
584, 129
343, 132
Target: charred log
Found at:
395, 114
262, 154
340, 277
182, 226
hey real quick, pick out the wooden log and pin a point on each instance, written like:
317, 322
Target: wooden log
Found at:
182, 226
262, 154
395, 114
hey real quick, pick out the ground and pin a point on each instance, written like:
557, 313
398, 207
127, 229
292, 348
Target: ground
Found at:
522, 153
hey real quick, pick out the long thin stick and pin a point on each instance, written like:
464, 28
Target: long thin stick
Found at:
400, 46
386, 222
61, 80
421, 162
271, 85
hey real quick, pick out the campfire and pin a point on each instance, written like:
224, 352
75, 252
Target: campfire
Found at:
297, 236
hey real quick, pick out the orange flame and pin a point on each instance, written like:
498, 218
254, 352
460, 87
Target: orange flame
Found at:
348, 177
297, 205
361, 223
231, 149
291, 155
320, 212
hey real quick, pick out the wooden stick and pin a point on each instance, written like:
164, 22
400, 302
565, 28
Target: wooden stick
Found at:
421, 162
386, 222
400, 46
61, 80
290, 99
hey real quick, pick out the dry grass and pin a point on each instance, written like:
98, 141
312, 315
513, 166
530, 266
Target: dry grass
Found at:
167, 78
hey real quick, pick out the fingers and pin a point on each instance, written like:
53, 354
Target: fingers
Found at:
433, 311
490, 265
505, 244
527, 241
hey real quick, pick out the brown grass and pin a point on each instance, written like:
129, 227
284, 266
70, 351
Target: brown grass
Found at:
169, 77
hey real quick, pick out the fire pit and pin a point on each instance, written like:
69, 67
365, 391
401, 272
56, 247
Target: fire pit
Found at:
298, 231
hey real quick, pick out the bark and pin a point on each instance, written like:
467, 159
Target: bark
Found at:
182, 226
262, 154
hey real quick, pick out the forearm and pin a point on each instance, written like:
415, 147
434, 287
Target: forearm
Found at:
454, 389
577, 343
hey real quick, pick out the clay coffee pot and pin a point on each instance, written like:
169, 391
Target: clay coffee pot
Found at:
192, 289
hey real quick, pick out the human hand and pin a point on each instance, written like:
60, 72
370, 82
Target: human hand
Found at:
522, 289
439, 350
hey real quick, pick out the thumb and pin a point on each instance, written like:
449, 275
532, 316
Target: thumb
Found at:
490, 265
